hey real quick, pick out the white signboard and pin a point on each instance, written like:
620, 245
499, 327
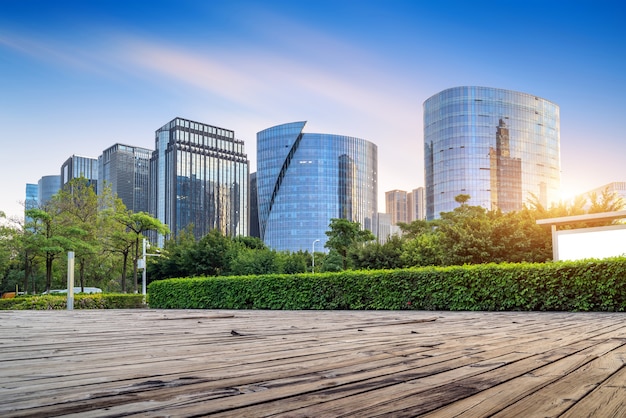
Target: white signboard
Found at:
601, 242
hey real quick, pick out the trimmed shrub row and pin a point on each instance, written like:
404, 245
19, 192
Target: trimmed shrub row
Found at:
591, 285
87, 301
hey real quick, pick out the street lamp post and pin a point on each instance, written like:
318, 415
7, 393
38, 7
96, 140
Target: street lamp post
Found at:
143, 263
313, 256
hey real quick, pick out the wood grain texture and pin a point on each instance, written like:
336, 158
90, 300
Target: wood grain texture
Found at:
141, 363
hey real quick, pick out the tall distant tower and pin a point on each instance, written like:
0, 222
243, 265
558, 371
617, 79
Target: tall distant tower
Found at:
396, 206
506, 173
48, 187
31, 200
498, 146
126, 169
199, 179
304, 180
78, 166
416, 205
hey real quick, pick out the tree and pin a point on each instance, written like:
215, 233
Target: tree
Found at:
77, 207
374, 255
465, 235
248, 261
295, 262
343, 235
137, 224
115, 236
607, 202
46, 236
423, 250
462, 199
213, 254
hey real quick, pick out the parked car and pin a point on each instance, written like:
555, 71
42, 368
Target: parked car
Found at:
76, 290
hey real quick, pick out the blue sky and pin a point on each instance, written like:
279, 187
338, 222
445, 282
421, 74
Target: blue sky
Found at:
78, 76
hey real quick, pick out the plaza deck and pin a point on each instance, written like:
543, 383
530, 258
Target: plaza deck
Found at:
311, 363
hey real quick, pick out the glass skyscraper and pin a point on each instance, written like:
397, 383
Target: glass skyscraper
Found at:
31, 201
48, 187
304, 180
126, 169
78, 166
500, 147
199, 179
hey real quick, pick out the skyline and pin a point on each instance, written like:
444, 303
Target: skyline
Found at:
78, 77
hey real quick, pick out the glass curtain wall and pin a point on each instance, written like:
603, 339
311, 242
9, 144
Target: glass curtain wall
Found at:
498, 146
200, 179
304, 180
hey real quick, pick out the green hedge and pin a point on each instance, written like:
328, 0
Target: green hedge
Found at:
81, 301
591, 285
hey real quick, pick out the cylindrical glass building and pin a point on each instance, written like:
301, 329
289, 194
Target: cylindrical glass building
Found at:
304, 180
498, 146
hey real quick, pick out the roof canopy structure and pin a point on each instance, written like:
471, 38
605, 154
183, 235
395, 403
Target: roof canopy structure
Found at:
573, 233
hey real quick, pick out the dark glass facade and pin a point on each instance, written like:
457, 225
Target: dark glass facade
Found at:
31, 200
304, 180
199, 179
48, 187
126, 169
254, 209
77, 166
498, 146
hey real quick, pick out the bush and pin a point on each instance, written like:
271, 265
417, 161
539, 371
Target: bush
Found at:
590, 285
81, 301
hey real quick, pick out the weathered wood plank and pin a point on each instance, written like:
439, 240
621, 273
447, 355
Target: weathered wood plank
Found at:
308, 363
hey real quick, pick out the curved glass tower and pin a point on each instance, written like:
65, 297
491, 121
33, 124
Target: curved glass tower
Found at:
304, 180
500, 147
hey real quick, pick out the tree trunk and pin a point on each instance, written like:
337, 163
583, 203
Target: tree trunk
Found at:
49, 259
81, 274
124, 266
135, 264
27, 272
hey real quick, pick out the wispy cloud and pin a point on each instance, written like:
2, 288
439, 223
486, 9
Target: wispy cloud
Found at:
259, 79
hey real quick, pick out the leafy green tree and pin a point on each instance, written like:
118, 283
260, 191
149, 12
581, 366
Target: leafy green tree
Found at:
115, 237
212, 255
607, 201
249, 261
295, 262
175, 260
331, 262
137, 224
374, 255
416, 228
250, 242
516, 238
345, 234
9, 237
77, 207
466, 235
423, 250
47, 237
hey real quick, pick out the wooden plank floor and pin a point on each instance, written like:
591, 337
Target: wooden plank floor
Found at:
143, 363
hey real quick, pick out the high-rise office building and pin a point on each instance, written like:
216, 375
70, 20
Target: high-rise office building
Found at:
416, 205
498, 146
31, 199
78, 166
396, 206
199, 179
126, 169
48, 187
305, 179
385, 229
254, 209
